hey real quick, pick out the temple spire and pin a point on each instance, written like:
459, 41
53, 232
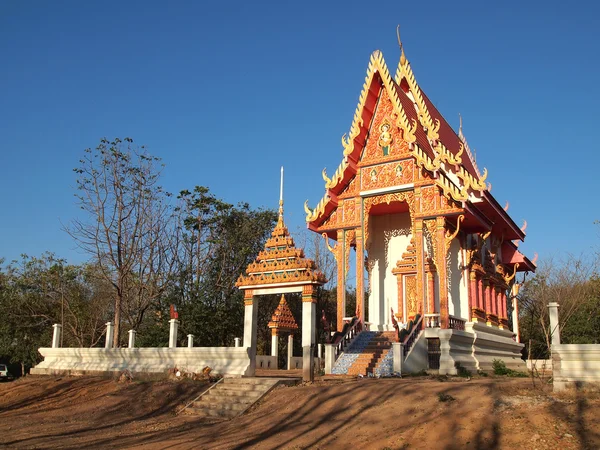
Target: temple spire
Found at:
280, 219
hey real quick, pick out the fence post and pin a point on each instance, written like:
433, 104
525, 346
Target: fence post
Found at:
397, 356
237, 342
56, 335
190, 340
131, 338
110, 329
173, 325
329, 358
554, 327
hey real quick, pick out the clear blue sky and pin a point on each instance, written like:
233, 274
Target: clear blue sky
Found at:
227, 92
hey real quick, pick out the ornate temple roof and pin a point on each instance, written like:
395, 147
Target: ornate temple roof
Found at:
436, 147
280, 263
283, 319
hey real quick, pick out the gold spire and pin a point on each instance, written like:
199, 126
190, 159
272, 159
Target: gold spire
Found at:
280, 223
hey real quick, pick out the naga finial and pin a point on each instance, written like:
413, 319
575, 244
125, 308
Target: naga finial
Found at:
326, 178
402, 56
524, 227
509, 278
535, 258
506, 206
460, 132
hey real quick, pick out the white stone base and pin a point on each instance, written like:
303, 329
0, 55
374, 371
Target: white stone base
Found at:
231, 361
575, 365
474, 349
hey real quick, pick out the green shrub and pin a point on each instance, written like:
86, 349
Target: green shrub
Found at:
443, 397
462, 371
500, 369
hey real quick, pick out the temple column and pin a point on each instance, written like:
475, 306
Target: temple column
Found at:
442, 271
515, 311
250, 321
480, 293
275, 346
309, 322
473, 302
341, 279
360, 275
430, 270
420, 275
290, 349
494, 295
488, 301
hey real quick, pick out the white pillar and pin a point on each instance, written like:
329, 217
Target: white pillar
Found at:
329, 359
274, 345
131, 338
308, 338
173, 325
290, 354
250, 320
190, 340
515, 319
397, 357
320, 351
237, 342
56, 335
110, 329
554, 327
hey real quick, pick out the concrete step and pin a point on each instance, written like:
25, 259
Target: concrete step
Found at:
233, 396
243, 387
224, 406
249, 381
234, 393
211, 413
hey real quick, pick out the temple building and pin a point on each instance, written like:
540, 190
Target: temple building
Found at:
409, 204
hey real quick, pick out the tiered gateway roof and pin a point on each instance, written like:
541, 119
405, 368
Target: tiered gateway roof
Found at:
437, 149
283, 319
280, 263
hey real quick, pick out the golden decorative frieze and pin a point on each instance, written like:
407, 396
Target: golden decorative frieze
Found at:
387, 175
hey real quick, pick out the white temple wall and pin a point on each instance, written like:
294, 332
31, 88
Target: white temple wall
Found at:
231, 361
390, 232
458, 296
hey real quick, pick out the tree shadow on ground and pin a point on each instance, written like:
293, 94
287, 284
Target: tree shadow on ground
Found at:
576, 415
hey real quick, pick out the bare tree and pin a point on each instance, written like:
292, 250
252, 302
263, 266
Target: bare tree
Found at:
127, 225
570, 283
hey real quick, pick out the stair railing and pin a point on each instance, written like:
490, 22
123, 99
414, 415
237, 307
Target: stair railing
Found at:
341, 341
412, 337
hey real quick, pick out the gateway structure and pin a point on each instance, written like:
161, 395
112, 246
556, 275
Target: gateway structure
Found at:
436, 246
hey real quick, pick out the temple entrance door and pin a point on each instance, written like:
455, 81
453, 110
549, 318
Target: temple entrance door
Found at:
389, 238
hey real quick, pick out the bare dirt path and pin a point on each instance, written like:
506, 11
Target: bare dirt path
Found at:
419, 413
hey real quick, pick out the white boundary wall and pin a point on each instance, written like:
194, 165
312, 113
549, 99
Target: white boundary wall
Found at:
232, 361
575, 363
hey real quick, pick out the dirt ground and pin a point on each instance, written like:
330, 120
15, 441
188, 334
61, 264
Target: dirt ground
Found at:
415, 413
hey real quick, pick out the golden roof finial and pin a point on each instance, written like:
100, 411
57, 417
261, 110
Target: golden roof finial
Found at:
402, 56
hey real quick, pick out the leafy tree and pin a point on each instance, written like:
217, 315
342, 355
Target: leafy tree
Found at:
217, 241
38, 292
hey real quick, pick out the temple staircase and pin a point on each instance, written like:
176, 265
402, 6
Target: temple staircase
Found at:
369, 354
231, 397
